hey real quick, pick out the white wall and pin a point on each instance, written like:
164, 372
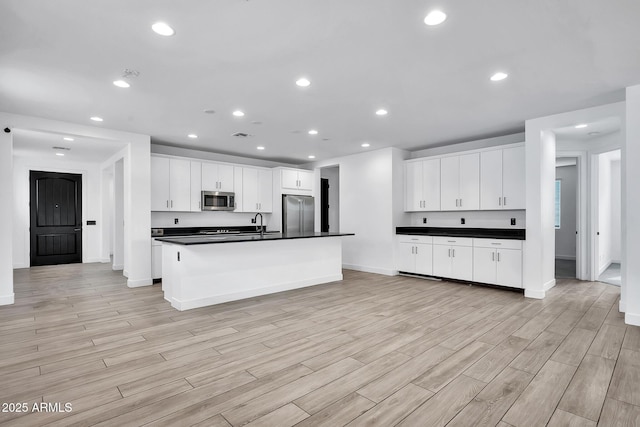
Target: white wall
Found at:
371, 206
91, 205
204, 219
604, 212
117, 230
630, 302
333, 175
6, 214
566, 234
616, 214
473, 219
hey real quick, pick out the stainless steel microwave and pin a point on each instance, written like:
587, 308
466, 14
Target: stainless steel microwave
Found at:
218, 201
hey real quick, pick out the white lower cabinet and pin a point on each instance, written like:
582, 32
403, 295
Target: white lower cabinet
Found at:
453, 257
498, 262
415, 255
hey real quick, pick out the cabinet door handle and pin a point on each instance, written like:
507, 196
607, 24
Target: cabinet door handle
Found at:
499, 201
453, 251
172, 203
167, 203
493, 256
505, 201
449, 254
460, 202
498, 256
416, 250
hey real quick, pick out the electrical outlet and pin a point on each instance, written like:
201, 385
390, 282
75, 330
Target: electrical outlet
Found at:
462, 221
513, 221
424, 220
176, 220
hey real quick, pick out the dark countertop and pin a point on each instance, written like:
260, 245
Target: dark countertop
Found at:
484, 233
189, 231
204, 239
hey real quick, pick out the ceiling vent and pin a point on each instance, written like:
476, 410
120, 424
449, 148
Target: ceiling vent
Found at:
61, 148
241, 135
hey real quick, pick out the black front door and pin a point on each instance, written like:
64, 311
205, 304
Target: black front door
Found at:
56, 218
324, 204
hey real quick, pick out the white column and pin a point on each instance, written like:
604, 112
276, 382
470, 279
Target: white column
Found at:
630, 298
137, 212
6, 216
539, 247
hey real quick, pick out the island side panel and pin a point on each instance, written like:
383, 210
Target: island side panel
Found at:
216, 273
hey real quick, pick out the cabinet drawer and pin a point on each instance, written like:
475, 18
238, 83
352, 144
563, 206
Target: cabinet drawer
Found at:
415, 239
497, 243
452, 241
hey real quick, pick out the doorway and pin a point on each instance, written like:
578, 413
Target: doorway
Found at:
609, 217
330, 199
566, 217
55, 218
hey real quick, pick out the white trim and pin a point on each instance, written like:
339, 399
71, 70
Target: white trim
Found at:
537, 294
7, 299
118, 267
20, 265
105, 260
603, 269
93, 260
632, 319
139, 283
219, 299
376, 270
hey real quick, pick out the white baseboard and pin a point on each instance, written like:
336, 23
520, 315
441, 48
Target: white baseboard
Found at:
632, 319
603, 269
139, 283
92, 260
365, 269
219, 299
125, 273
566, 257
117, 267
20, 265
537, 293
105, 260
7, 299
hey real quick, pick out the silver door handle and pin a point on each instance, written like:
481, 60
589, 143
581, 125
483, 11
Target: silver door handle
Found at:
449, 255
412, 247
505, 201
172, 203
416, 250
493, 256
498, 256
167, 203
77, 229
454, 252
460, 202
499, 201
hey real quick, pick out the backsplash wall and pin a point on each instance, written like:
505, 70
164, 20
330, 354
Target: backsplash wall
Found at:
473, 219
203, 219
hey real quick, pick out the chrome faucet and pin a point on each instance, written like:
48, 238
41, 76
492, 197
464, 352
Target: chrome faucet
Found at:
255, 220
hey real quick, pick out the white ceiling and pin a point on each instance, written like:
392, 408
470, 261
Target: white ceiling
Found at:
593, 129
30, 143
58, 60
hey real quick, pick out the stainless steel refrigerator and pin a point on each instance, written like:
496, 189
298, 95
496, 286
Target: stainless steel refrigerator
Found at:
297, 214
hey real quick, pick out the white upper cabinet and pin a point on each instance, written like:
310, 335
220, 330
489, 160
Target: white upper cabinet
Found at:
459, 180
502, 178
257, 190
170, 184
217, 177
422, 185
297, 179
196, 186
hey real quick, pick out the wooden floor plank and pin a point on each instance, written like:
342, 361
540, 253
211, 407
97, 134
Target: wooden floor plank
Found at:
357, 352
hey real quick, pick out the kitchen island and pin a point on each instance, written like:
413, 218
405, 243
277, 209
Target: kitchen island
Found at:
198, 271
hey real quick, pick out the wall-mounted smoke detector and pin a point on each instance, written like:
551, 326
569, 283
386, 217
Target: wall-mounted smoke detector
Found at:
241, 135
128, 73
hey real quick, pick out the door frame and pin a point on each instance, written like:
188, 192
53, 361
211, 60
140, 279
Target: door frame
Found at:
583, 226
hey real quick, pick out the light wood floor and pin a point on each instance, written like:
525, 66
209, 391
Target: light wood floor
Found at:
371, 350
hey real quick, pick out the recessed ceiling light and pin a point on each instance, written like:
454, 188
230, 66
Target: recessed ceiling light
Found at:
581, 126
238, 113
260, 147
365, 145
312, 157
97, 119
313, 132
303, 82
192, 136
209, 111
435, 17
60, 154
66, 138
382, 112
121, 83
163, 29
499, 76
